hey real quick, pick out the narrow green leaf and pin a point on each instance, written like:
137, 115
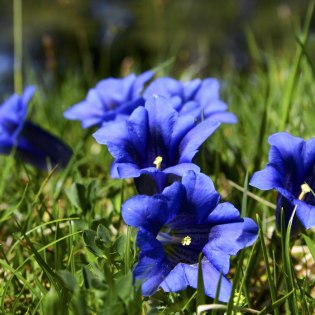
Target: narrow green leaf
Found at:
127, 250
201, 297
269, 274
286, 238
236, 281
310, 244
18, 52
244, 197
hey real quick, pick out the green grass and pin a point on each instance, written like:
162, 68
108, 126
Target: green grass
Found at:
64, 248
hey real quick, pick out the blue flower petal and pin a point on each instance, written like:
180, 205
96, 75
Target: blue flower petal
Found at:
309, 157
191, 88
182, 127
175, 195
286, 155
13, 113
138, 131
268, 178
115, 135
223, 117
177, 279
208, 92
162, 118
125, 110
149, 212
215, 106
28, 94
305, 212
152, 267
140, 81
224, 213
211, 279
227, 239
114, 91
110, 99
125, 170
182, 168
194, 138
201, 195
166, 87
191, 109
184, 275
90, 111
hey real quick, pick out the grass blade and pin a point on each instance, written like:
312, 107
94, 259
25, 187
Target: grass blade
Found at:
286, 238
287, 98
269, 274
201, 298
17, 37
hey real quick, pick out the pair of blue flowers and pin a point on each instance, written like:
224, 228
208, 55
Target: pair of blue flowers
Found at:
153, 135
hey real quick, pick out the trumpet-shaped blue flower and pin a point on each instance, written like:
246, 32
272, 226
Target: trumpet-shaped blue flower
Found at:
199, 98
290, 171
179, 224
155, 141
110, 99
30, 143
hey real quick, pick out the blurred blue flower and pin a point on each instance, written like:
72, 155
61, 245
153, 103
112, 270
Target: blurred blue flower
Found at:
155, 141
199, 98
29, 142
179, 224
290, 171
110, 99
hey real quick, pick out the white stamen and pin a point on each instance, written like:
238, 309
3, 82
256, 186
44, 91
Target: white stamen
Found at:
305, 189
157, 162
186, 241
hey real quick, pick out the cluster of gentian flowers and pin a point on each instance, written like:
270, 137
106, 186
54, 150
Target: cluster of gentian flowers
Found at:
153, 134
153, 131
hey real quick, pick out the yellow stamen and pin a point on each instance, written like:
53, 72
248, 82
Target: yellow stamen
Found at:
158, 161
186, 241
305, 189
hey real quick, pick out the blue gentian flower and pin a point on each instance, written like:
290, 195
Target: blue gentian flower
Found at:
199, 98
179, 224
30, 143
155, 141
290, 171
110, 99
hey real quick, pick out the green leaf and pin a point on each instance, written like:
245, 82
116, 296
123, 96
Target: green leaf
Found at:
120, 245
89, 239
68, 279
103, 237
124, 287
53, 304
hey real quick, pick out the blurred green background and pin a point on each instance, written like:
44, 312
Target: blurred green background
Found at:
112, 38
